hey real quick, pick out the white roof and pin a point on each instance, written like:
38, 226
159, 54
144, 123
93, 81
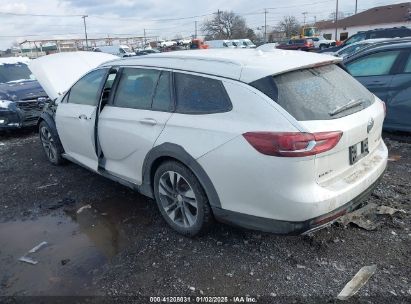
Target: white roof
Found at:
246, 65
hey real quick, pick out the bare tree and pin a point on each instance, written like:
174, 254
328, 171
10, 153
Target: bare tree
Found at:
289, 25
225, 25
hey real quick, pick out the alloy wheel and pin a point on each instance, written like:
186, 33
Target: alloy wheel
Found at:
178, 199
48, 143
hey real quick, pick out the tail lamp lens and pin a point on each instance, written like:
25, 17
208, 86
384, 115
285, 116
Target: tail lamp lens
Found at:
292, 144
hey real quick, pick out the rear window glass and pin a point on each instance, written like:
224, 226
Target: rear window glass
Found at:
196, 94
320, 93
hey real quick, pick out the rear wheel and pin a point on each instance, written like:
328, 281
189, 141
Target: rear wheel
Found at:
181, 199
50, 144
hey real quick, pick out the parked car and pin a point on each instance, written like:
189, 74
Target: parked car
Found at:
353, 48
297, 44
117, 50
179, 128
166, 44
386, 71
372, 34
322, 43
217, 44
21, 97
365, 45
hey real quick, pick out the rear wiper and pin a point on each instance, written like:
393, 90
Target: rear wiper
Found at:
353, 103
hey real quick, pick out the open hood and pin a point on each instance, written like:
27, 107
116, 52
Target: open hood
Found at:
58, 72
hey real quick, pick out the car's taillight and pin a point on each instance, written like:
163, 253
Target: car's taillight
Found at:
292, 144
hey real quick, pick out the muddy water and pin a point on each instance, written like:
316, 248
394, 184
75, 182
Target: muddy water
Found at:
79, 244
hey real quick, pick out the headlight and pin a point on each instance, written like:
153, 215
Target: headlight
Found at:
4, 104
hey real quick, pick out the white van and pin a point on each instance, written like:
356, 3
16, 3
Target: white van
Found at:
117, 50
238, 44
247, 43
216, 44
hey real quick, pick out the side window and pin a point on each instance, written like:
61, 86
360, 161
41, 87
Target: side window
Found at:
135, 88
162, 97
373, 65
407, 68
196, 94
86, 91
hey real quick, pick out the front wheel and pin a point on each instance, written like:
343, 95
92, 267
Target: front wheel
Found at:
181, 199
50, 144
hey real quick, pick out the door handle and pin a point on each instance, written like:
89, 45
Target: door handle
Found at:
148, 121
83, 116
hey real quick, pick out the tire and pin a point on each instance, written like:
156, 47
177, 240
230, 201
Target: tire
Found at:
51, 144
183, 204
322, 47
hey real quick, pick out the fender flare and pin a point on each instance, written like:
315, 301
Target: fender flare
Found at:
180, 154
52, 124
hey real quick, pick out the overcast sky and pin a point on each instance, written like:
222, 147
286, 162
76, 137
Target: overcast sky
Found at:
130, 17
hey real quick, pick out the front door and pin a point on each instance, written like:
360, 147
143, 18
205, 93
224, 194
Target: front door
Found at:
76, 116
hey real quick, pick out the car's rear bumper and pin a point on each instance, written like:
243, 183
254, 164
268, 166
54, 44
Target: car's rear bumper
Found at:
291, 227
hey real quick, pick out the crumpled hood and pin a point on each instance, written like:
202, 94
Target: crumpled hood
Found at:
58, 72
22, 90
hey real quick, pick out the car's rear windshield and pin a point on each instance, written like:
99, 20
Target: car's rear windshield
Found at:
320, 93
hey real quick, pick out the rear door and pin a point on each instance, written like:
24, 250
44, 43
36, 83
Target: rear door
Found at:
399, 102
133, 119
375, 71
76, 115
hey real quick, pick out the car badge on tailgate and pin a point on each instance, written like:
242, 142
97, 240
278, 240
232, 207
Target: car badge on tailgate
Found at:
370, 125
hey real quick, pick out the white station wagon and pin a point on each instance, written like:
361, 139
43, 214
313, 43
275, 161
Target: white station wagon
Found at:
283, 141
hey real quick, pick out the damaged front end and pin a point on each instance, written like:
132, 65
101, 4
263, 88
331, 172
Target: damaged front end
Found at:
21, 113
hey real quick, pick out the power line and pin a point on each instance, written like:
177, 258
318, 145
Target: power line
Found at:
38, 15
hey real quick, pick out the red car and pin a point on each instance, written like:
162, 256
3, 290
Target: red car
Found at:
297, 44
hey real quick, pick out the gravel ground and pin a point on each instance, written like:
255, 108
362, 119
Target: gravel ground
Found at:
118, 245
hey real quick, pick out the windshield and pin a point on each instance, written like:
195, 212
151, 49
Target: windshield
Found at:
14, 72
247, 42
351, 49
316, 93
355, 38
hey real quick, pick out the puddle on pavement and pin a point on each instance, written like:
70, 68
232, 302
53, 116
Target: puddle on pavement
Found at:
85, 241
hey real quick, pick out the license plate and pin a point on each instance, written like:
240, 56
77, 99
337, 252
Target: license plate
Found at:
358, 151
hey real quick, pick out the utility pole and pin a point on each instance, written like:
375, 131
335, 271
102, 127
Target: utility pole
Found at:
195, 29
304, 13
145, 39
265, 25
336, 19
219, 25
85, 29
356, 5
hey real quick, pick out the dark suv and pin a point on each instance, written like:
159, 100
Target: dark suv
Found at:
21, 97
372, 34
